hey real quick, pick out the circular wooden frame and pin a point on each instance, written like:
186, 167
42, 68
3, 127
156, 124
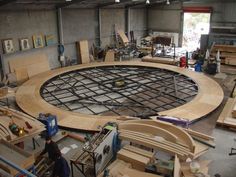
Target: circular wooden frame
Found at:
28, 97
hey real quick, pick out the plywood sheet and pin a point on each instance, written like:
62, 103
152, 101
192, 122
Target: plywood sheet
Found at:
83, 52
110, 56
21, 75
26, 67
24, 62
123, 37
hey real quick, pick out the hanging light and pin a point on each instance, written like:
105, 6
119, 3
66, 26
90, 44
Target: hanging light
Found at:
117, 1
147, 1
168, 2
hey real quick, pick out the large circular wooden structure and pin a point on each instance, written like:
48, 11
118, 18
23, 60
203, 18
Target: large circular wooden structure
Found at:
41, 93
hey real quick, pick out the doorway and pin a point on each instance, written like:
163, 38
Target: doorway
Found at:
195, 24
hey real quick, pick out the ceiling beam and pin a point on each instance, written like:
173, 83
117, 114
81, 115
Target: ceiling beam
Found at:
5, 2
66, 4
112, 3
135, 4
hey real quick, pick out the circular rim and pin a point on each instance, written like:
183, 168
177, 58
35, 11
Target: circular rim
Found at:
28, 97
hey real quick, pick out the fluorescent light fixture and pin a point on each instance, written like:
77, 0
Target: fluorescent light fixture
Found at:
68, 0
147, 2
117, 0
168, 2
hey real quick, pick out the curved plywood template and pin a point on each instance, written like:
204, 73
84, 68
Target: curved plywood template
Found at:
183, 137
28, 97
149, 129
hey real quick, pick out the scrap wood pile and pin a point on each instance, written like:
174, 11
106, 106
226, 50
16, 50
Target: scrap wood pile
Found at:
15, 126
227, 53
228, 114
147, 139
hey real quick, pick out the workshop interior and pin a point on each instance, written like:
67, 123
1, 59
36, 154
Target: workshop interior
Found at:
117, 88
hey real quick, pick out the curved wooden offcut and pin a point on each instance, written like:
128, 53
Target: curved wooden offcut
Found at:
29, 99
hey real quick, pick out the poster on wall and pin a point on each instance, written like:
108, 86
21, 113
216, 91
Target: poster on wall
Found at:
24, 44
8, 46
38, 41
50, 40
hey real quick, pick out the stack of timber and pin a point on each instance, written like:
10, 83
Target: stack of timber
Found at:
227, 117
28, 66
166, 137
169, 61
227, 53
30, 125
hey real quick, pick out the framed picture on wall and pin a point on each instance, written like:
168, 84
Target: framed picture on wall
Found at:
24, 44
8, 46
50, 40
38, 41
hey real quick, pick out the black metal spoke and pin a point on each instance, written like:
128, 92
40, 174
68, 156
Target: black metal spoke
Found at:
145, 90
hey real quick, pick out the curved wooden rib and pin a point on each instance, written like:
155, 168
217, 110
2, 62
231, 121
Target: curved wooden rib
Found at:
150, 137
183, 137
29, 100
149, 129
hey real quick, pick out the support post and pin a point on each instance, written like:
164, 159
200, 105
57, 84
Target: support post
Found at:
127, 21
99, 26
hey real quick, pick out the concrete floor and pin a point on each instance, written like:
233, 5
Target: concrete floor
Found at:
222, 163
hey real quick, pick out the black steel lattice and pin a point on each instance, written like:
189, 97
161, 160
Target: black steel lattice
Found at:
119, 90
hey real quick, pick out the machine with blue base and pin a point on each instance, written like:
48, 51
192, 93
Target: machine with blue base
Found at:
50, 122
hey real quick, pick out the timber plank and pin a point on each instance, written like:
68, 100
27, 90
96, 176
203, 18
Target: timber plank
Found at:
137, 161
162, 60
139, 151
